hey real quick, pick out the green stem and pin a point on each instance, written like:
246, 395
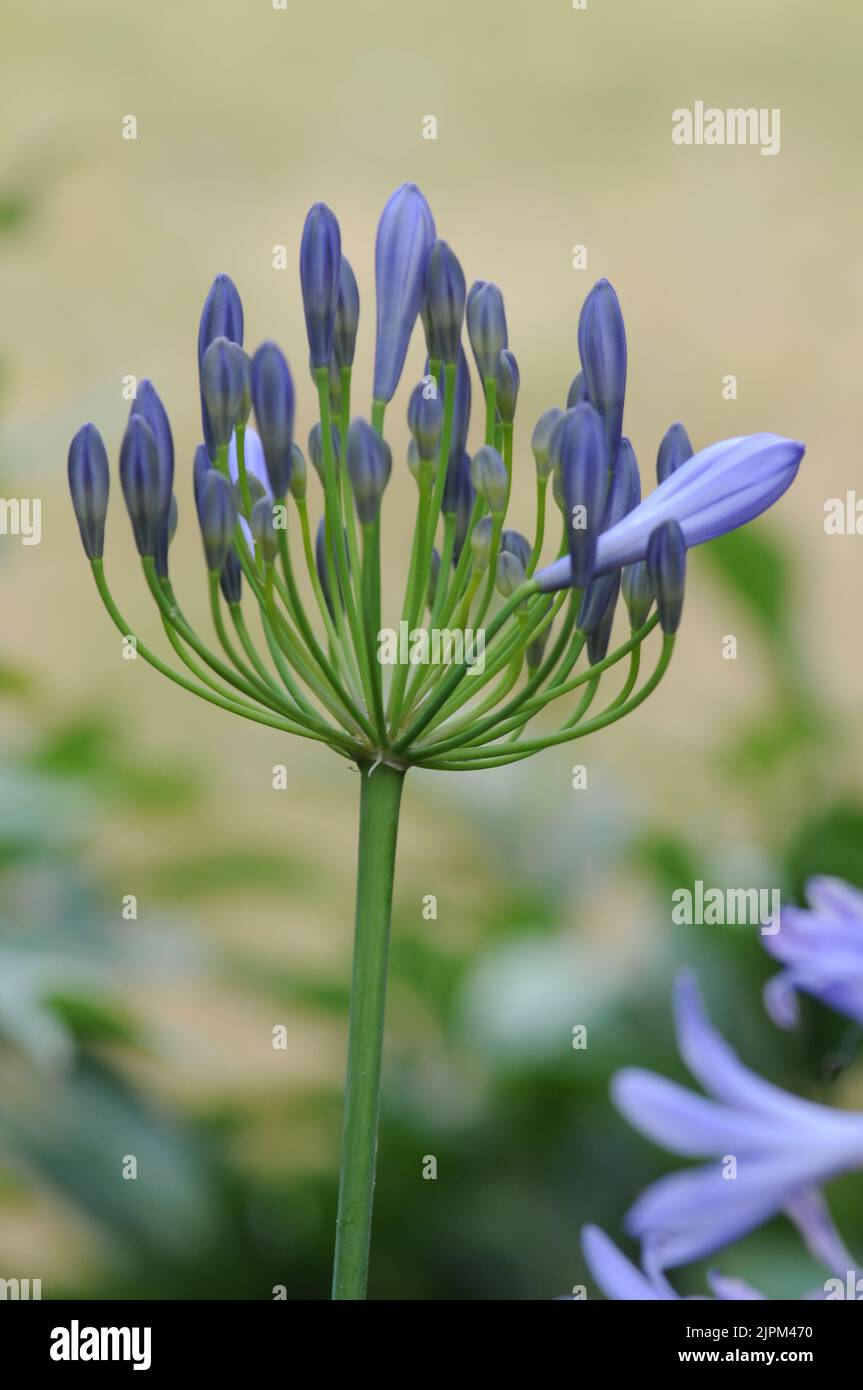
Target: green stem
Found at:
380, 795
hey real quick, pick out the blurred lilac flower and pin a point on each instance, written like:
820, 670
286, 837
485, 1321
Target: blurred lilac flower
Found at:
782, 1147
821, 948
620, 1279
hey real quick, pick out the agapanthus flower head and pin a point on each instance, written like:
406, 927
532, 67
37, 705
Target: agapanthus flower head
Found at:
425, 420
89, 484
273, 399
489, 477
508, 382
444, 302
821, 950
217, 515
486, 327
320, 265
405, 235
674, 449
602, 349
369, 466
347, 316
666, 565
141, 483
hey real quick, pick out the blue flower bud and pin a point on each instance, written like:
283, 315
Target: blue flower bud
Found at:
262, 526
148, 405
465, 496
480, 543
369, 465
624, 489
316, 448
602, 348
666, 564
273, 397
201, 468
443, 313
217, 515
256, 490
508, 382
577, 391
231, 578
599, 636
518, 545
139, 478
486, 327
637, 592
460, 426
489, 477
298, 473
404, 238
578, 451
347, 316
166, 534
425, 420
320, 265
414, 461
540, 440
509, 573
223, 383
89, 484
222, 317
674, 450
595, 600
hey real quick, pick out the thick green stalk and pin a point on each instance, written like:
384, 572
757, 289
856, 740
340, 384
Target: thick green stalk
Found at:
380, 796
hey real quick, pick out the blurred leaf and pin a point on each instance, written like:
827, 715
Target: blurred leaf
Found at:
90, 746
754, 567
230, 871
93, 1021
828, 843
15, 209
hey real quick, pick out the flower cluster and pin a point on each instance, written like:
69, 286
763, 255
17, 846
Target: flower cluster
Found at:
782, 1148
316, 668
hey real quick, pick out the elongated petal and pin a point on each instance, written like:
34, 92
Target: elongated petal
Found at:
405, 235
617, 1276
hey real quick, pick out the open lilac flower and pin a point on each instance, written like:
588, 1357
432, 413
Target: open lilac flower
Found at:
821, 948
769, 1149
620, 1279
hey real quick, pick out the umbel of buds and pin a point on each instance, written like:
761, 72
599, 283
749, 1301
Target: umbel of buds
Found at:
306, 559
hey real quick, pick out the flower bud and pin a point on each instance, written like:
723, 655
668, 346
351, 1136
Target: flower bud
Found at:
509, 574
273, 397
89, 484
223, 383
256, 488
602, 348
465, 496
139, 478
486, 327
202, 465
222, 317
443, 312
217, 515
489, 477
405, 235
425, 419
666, 564
578, 450
231, 578
320, 264
163, 541
540, 440
480, 543
148, 405
599, 636
518, 545
298, 473
347, 316
316, 449
595, 600
414, 461
508, 381
460, 426
369, 465
434, 572
637, 592
577, 391
674, 450
262, 526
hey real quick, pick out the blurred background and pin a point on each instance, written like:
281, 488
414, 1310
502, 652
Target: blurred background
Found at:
153, 1037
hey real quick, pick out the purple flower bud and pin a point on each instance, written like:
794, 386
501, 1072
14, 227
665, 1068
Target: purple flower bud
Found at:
600, 633
509, 573
223, 382
666, 565
518, 545
369, 465
163, 541
231, 578
320, 263
405, 234
578, 451
217, 515
222, 317
624, 493
486, 327
148, 405
540, 440
460, 426
638, 593
599, 594
200, 469
273, 397
298, 473
139, 478
89, 484
480, 542
508, 382
316, 448
602, 348
465, 496
347, 316
425, 420
577, 391
262, 526
443, 313
674, 450
489, 477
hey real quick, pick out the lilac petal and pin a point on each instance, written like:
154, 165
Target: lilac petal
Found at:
686, 1123
733, 1290
808, 1210
834, 895
253, 458
617, 1276
780, 1001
